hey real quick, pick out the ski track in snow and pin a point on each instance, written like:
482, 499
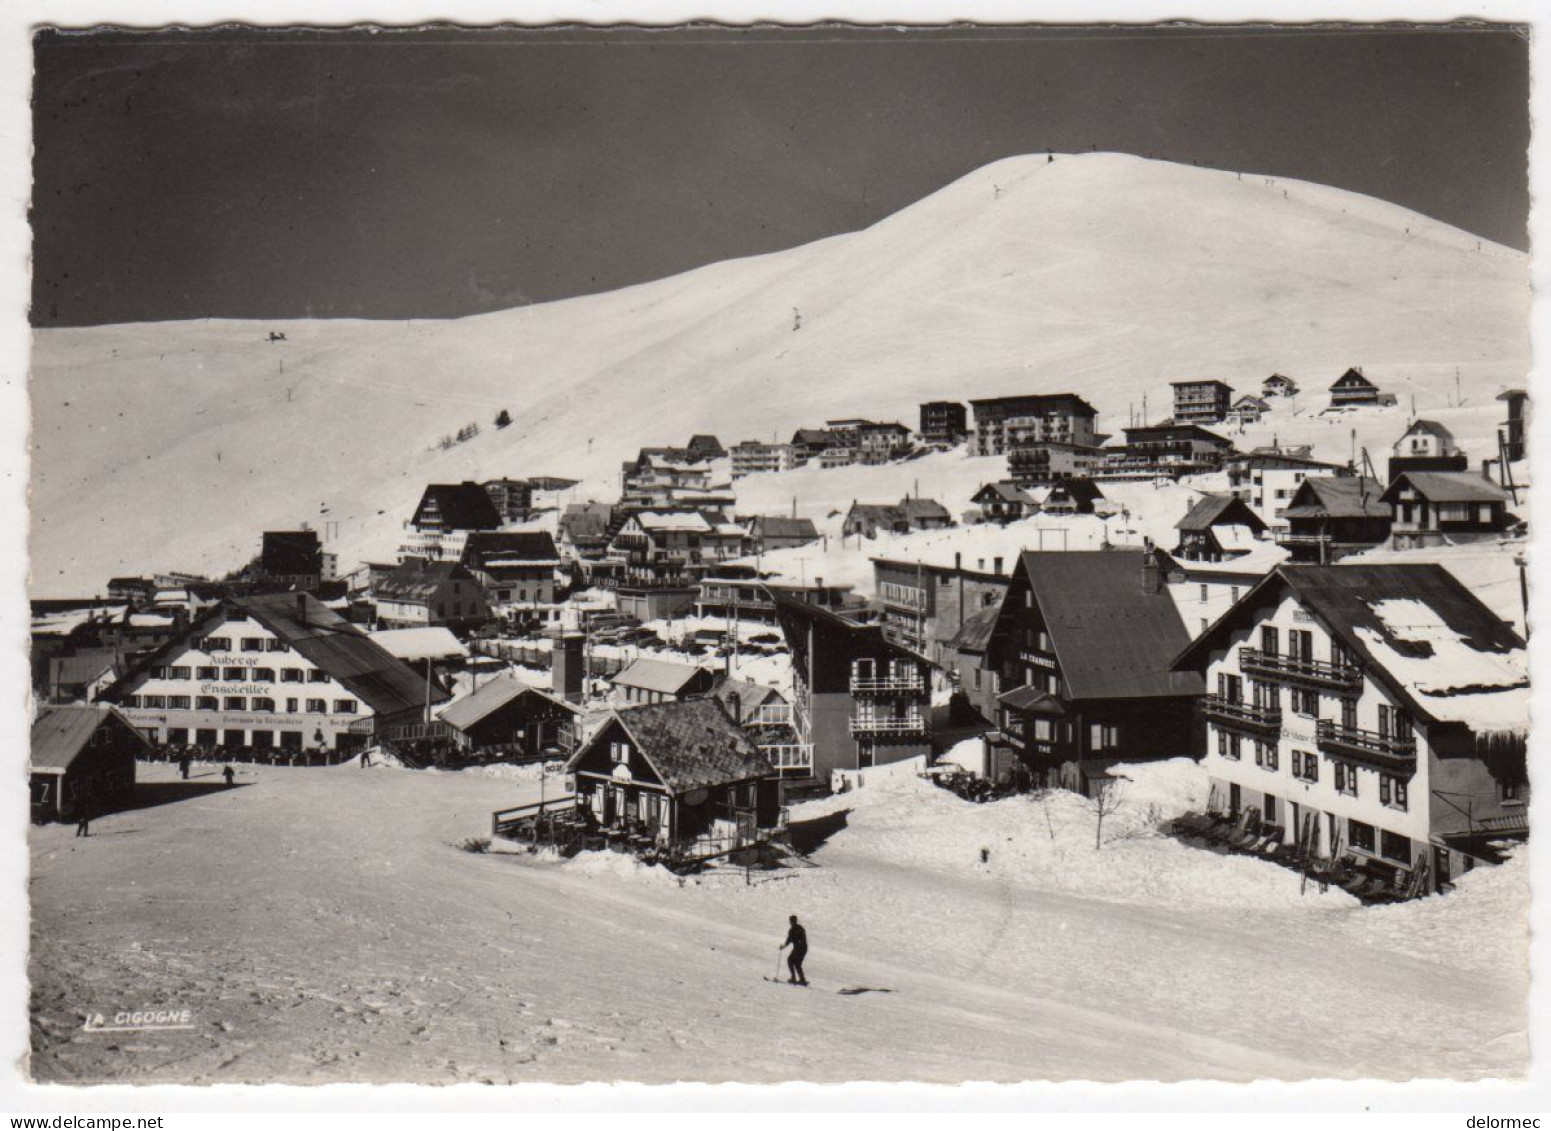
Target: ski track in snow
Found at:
322, 927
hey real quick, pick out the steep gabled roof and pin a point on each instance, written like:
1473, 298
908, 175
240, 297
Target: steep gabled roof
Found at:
59, 734
1343, 597
1338, 496
658, 675
1431, 427
1114, 637
883, 513
491, 697
461, 506
914, 509
1352, 379
1080, 491
1447, 487
325, 639
690, 745
1007, 492
1215, 510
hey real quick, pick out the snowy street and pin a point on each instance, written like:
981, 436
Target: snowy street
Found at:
322, 925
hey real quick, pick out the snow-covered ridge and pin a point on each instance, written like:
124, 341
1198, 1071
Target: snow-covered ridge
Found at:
173, 445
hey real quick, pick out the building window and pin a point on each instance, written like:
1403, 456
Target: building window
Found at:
158, 673
177, 702
1346, 779
344, 706
260, 703
1510, 791
1305, 766
264, 675
1305, 702
1203, 593
1392, 791
316, 676
179, 672
236, 703
292, 675
292, 706
237, 674
218, 644
155, 702
1229, 745
1359, 835
619, 752
209, 673
207, 703
273, 645
317, 706
1266, 755
1393, 846
1270, 643
252, 644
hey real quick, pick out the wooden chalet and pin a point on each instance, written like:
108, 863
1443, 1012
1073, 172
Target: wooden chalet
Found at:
661, 681
509, 719
677, 781
1072, 496
1216, 528
1081, 658
1433, 508
1329, 517
1002, 503
82, 759
1352, 389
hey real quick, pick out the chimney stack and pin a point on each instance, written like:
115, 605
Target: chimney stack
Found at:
566, 665
1152, 576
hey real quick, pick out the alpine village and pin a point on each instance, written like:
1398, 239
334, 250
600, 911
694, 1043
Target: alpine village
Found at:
1300, 633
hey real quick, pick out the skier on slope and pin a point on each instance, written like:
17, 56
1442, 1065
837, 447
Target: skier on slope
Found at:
797, 939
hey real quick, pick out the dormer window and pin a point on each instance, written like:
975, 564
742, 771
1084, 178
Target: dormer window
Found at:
619, 752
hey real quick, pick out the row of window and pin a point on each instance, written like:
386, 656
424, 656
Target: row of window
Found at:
1394, 722
1305, 767
240, 675
256, 703
247, 644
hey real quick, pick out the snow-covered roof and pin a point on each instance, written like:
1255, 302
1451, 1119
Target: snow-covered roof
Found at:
421, 643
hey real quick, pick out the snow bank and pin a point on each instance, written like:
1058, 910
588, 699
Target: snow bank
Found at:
1046, 842
1481, 924
619, 866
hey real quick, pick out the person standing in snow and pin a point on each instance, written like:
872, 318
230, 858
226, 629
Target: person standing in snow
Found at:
797, 939
83, 826
229, 775
183, 764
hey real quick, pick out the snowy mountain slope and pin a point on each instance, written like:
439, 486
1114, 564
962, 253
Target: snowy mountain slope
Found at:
172, 445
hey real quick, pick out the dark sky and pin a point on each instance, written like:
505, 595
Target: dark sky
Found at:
433, 174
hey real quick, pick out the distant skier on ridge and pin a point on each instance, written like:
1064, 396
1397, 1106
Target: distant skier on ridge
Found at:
797, 939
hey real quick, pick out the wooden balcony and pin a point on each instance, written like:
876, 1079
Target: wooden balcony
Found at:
888, 685
1287, 669
1247, 717
867, 725
790, 757
1383, 751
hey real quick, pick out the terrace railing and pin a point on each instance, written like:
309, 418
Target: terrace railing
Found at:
1389, 751
1237, 715
1290, 669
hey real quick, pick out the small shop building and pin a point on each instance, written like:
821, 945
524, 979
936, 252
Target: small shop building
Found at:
82, 759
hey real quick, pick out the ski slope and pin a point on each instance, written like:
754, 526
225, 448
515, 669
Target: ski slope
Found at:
373, 949
173, 445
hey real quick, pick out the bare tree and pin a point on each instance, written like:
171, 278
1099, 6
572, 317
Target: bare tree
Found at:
1108, 796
